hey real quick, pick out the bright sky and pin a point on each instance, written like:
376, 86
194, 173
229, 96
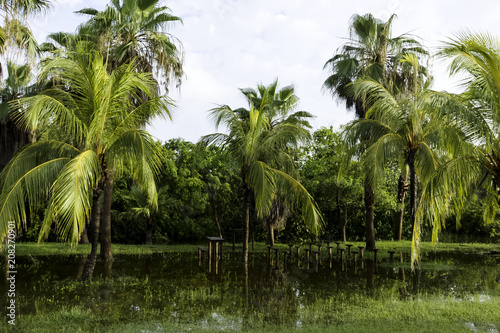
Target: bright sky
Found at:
231, 44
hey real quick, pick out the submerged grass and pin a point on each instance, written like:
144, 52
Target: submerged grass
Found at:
432, 314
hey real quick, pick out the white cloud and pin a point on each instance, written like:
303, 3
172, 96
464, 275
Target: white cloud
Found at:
234, 43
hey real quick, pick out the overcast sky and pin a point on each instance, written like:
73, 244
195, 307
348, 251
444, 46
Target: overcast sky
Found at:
231, 44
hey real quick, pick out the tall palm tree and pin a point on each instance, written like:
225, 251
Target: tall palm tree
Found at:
410, 130
16, 32
476, 58
100, 114
17, 85
15, 38
279, 106
265, 165
133, 29
370, 52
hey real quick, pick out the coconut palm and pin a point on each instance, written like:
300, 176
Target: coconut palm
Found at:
15, 37
17, 85
370, 52
133, 29
477, 57
140, 206
265, 165
279, 106
409, 130
100, 114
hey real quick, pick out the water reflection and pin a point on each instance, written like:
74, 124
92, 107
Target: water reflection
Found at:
271, 289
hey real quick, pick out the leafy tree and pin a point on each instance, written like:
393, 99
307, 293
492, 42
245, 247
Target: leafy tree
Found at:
370, 52
265, 167
102, 137
340, 199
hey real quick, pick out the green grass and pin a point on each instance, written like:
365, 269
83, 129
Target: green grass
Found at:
45, 249
433, 314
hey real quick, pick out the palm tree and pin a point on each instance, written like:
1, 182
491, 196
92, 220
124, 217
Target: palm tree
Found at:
265, 165
17, 85
15, 37
16, 32
140, 206
370, 52
133, 29
278, 106
100, 114
476, 58
408, 129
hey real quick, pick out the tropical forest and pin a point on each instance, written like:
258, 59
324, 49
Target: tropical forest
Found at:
269, 222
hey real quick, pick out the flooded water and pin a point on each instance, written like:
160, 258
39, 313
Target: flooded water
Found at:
179, 285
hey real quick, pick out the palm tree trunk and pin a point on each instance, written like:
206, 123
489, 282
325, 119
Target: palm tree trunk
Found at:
369, 215
95, 217
413, 188
401, 199
106, 250
149, 231
270, 234
216, 216
247, 200
84, 237
345, 224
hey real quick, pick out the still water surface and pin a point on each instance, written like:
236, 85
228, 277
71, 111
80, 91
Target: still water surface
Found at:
176, 284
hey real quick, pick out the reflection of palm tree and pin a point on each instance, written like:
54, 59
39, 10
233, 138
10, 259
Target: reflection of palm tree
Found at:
370, 52
102, 126
265, 165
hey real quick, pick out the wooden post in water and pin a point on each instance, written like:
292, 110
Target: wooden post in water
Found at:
361, 251
375, 255
316, 255
319, 248
342, 257
329, 248
210, 249
338, 247
391, 256
307, 254
348, 250
355, 262
298, 250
